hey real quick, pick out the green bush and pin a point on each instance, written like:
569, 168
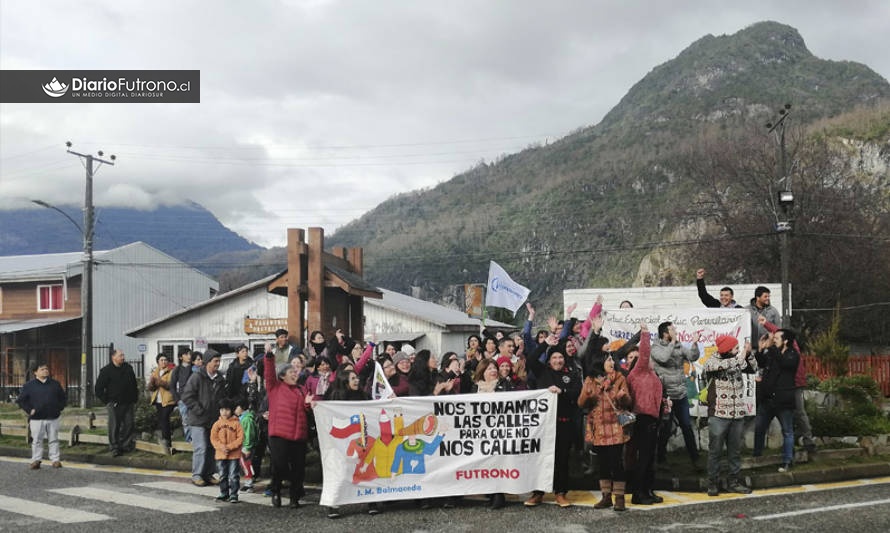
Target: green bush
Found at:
145, 419
857, 413
859, 394
828, 347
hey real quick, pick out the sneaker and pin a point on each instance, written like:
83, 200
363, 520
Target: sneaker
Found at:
233, 498
267, 492
333, 512
535, 500
785, 468
222, 497
214, 480
713, 490
35, 465
198, 482
247, 488
738, 488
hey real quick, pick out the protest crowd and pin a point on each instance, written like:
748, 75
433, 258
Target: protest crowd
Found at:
618, 401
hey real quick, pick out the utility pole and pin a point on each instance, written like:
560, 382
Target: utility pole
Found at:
86, 285
785, 201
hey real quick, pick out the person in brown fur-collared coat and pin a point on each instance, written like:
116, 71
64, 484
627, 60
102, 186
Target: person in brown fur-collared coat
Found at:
605, 392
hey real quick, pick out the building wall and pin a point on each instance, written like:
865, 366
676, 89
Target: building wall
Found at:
133, 285
20, 300
219, 323
662, 297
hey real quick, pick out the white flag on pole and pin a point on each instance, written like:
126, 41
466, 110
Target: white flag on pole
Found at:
380, 388
503, 291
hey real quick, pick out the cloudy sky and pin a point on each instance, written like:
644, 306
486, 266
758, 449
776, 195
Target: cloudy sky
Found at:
312, 112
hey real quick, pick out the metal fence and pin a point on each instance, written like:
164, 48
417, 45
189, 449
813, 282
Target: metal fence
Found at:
876, 366
64, 366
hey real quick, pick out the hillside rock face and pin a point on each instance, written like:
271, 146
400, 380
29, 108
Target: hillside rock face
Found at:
585, 210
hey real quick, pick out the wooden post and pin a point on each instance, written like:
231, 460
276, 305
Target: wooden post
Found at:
295, 240
315, 280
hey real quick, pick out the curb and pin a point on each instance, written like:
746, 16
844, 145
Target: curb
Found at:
684, 483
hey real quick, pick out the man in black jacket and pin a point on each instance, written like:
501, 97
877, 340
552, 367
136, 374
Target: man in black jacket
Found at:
775, 392
202, 395
116, 388
726, 300
43, 399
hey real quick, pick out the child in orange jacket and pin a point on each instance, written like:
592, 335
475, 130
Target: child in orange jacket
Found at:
227, 436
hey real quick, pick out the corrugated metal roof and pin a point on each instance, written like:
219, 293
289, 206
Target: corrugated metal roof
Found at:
42, 266
224, 296
429, 311
13, 325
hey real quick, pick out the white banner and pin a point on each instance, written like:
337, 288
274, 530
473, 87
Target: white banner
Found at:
503, 291
710, 322
433, 446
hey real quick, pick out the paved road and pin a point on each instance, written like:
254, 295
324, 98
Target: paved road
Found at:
87, 498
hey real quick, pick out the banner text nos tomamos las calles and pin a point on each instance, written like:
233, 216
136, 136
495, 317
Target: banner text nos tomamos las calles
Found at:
426, 447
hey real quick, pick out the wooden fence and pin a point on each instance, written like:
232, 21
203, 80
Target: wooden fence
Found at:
876, 366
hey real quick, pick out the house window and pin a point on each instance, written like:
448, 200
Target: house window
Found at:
173, 349
49, 298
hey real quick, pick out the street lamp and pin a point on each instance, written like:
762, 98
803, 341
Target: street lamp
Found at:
785, 201
86, 285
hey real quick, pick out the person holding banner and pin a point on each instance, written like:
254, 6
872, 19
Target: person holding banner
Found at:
669, 355
564, 381
605, 392
288, 428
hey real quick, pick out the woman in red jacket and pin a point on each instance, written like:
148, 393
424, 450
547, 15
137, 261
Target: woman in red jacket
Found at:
288, 428
646, 391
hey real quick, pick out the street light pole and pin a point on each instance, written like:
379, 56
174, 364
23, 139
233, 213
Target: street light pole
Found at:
86, 286
785, 201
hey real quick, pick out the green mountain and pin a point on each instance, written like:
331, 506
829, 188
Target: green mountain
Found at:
586, 210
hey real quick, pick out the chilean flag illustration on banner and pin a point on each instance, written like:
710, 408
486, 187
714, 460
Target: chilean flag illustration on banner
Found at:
343, 428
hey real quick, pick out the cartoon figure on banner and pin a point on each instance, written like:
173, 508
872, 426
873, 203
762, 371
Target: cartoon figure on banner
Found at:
383, 451
358, 448
409, 458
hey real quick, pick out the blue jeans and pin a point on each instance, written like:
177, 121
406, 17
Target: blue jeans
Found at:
183, 414
229, 476
202, 454
726, 431
680, 413
765, 414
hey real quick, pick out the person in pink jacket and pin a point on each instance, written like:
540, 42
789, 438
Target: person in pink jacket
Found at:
289, 409
646, 390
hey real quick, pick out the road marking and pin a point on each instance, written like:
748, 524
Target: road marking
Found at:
134, 500
188, 488
45, 511
109, 468
819, 510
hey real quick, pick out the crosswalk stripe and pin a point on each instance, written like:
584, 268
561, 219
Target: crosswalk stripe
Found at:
134, 500
45, 511
188, 488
